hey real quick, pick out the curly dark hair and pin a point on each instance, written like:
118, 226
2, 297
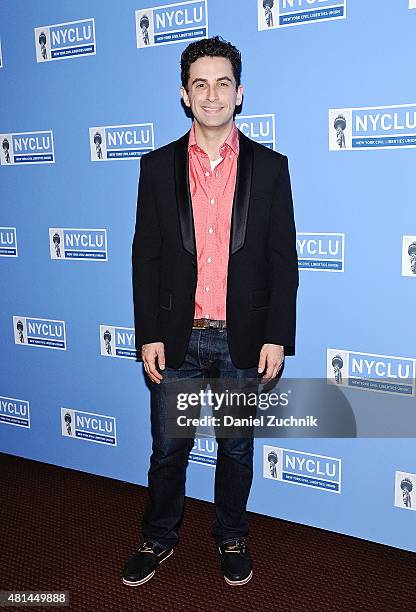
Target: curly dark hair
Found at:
215, 46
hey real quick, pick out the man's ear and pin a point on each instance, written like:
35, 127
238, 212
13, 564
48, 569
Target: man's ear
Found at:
184, 95
240, 93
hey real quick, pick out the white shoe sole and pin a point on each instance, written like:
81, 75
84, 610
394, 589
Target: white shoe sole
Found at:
139, 582
239, 582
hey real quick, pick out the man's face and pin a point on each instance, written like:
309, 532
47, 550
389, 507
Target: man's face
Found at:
211, 93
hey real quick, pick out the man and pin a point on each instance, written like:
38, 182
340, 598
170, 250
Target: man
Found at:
215, 279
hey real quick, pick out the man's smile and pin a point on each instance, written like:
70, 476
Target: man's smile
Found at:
210, 110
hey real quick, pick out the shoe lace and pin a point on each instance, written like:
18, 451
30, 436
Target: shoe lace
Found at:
238, 547
146, 548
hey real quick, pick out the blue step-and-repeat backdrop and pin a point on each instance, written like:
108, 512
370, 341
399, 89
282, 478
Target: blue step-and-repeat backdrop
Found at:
86, 89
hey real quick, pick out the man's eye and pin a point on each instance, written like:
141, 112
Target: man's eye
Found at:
200, 85
224, 83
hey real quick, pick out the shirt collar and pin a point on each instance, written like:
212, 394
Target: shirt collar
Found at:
231, 141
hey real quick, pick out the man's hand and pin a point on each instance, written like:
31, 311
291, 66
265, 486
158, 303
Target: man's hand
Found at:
271, 357
149, 353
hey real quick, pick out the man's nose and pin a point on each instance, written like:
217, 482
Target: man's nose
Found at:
212, 93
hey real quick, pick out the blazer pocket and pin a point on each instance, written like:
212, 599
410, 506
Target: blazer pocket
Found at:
259, 298
165, 299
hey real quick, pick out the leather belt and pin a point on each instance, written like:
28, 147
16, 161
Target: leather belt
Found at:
208, 323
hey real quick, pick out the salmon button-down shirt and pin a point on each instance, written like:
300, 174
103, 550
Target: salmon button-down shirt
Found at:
212, 193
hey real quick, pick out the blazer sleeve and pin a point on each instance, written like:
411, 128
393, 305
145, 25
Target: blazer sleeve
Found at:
146, 255
283, 265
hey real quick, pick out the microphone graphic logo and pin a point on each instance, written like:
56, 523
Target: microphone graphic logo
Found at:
340, 124
107, 340
68, 421
19, 327
272, 459
6, 147
98, 141
406, 486
268, 5
412, 253
57, 242
42, 42
144, 26
337, 364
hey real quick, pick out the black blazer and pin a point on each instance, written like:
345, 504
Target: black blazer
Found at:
262, 276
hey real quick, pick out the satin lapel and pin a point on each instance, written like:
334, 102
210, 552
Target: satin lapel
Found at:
241, 194
183, 196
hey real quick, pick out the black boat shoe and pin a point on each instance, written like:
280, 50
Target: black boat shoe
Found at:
236, 562
142, 566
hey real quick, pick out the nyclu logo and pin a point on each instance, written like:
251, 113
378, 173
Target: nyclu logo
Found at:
372, 372
171, 23
283, 13
112, 142
27, 148
88, 426
405, 490
302, 468
46, 333
320, 251
65, 40
8, 242
372, 127
14, 411
78, 244
260, 128
118, 342
409, 256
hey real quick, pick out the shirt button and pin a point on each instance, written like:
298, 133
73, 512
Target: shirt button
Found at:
212, 201
211, 230
209, 260
206, 173
206, 288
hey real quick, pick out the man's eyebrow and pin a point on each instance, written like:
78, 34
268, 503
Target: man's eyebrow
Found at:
224, 78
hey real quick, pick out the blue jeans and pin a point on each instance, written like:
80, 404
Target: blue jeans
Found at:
207, 356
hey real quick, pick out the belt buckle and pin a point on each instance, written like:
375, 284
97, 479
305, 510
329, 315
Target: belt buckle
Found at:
208, 324
199, 324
